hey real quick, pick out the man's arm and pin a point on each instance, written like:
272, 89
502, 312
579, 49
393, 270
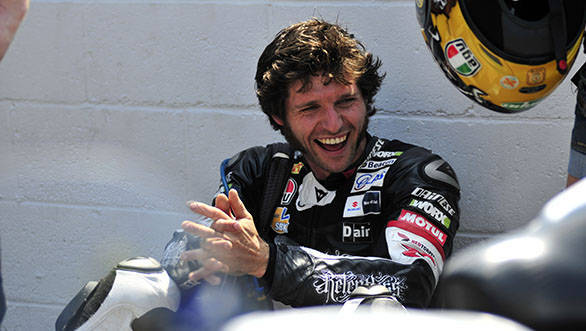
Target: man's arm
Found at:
11, 14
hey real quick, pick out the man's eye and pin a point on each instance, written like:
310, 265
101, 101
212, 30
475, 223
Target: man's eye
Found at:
307, 109
346, 101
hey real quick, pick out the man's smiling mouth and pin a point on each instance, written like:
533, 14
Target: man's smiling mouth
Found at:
332, 144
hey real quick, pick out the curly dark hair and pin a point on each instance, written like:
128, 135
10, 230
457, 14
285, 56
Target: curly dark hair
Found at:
313, 48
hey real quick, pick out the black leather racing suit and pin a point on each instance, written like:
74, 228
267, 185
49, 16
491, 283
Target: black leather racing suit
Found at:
389, 220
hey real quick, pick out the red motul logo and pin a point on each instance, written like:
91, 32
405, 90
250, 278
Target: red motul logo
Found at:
420, 221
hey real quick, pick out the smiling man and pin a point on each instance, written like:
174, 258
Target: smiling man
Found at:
335, 208
309, 221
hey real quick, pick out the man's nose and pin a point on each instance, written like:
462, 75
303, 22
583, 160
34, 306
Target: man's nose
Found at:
332, 120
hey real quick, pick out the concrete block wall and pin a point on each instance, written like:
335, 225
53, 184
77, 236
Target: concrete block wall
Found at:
114, 113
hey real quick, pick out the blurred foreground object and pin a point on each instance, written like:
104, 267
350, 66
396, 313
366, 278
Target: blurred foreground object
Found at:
134, 288
505, 55
535, 275
11, 14
331, 318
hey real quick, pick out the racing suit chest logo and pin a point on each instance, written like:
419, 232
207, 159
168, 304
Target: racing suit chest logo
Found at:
356, 232
366, 180
313, 193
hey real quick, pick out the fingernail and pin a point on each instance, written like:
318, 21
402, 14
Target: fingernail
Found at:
185, 224
193, 204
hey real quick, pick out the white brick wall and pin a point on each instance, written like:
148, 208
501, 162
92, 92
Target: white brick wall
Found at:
114, 113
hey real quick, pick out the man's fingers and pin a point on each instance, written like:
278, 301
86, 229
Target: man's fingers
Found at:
237, 205
226, 226
217, 245
199, 230
223, 204
207, 271
213, 280
194, 254
207, 210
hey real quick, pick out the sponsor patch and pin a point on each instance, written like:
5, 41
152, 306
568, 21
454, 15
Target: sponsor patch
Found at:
432, 196
509, 82
520, 106
312, 193
289, 192
406, 247
412, 220
535, 76
373, 165
296, 168
280, 222
365, 180
461, 58
356, 232
338, 287
360, 205
431, 210
377, 146
371, 202
353, 207
386, 155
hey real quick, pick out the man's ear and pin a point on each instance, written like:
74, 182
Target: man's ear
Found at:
278, 120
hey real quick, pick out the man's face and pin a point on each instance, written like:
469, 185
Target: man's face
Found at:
327, 123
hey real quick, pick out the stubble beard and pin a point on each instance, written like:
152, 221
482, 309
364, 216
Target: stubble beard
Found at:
296, 144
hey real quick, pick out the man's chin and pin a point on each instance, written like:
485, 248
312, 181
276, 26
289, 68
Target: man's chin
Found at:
334, 165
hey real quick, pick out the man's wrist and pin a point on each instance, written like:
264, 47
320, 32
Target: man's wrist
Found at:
264, 257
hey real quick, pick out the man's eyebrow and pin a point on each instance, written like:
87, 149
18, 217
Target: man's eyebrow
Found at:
348, 94
306, 104
351, 93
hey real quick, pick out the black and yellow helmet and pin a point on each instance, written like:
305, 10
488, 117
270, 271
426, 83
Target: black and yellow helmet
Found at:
506, 55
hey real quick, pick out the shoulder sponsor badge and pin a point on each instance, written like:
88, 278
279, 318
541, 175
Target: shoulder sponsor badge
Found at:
289, 192
432, 196
419, 225
431, 210
280, 223
296, 168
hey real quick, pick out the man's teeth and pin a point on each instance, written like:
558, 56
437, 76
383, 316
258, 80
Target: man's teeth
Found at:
333, 141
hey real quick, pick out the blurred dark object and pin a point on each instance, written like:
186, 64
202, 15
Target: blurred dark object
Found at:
535, 275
